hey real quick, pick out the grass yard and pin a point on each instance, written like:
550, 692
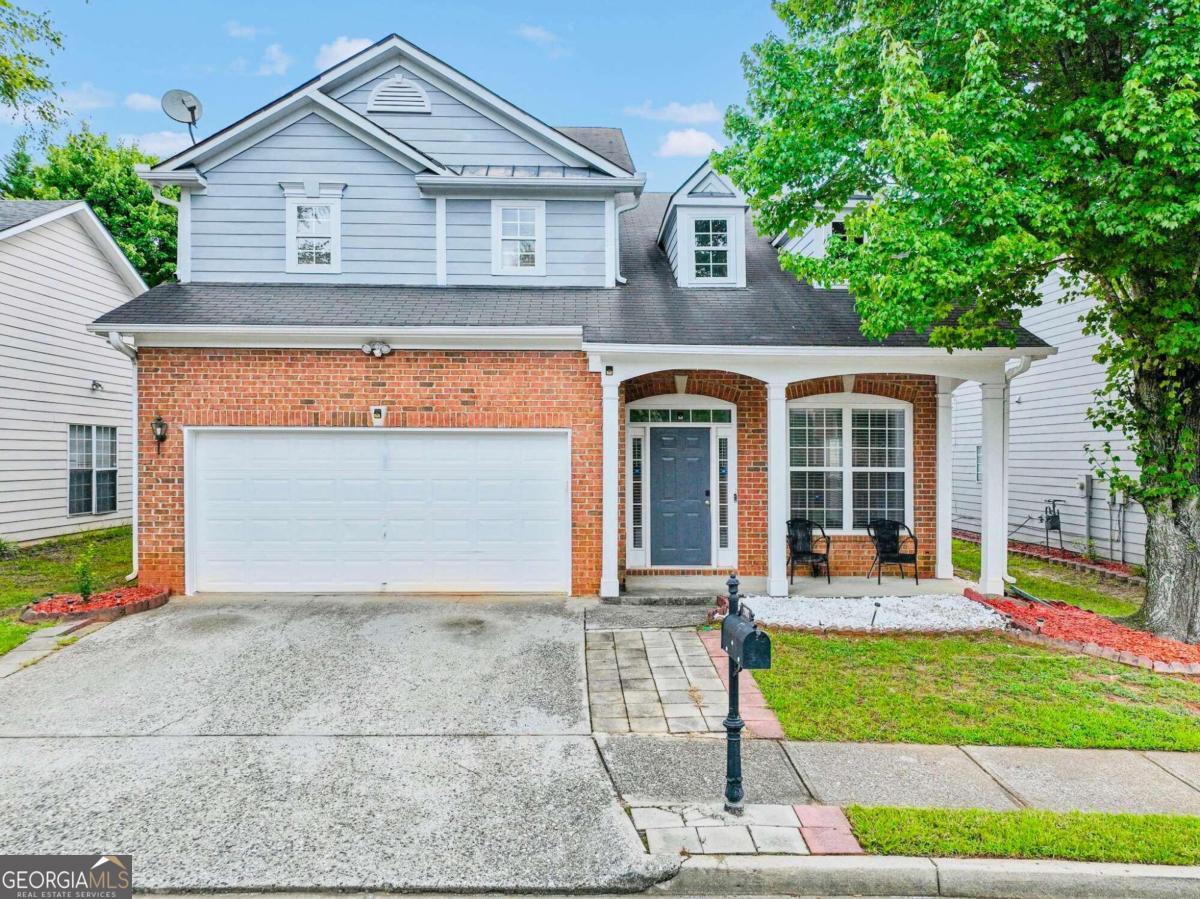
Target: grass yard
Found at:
32, 572
1049, 580
982, 690
1029, 833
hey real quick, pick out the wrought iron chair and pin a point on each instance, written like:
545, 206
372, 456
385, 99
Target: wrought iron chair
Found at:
890, 546
803, 547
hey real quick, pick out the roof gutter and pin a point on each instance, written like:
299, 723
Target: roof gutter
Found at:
457, 185
118, 344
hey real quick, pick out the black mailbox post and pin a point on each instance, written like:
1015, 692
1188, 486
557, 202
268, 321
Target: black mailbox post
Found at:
750, 648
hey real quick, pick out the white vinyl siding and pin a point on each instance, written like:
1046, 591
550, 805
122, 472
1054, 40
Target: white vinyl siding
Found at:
1049, 429
53, 281
575, 248
452, 132
239, 222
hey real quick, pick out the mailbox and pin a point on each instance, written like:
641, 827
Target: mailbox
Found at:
747, 646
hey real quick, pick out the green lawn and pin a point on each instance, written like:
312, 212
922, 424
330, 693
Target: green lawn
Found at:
971, 689
1073, 836
32, 572
1049, 580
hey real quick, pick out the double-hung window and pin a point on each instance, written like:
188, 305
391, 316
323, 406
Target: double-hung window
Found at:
710, 249
92, 469
313, 228
518, 237
851, 462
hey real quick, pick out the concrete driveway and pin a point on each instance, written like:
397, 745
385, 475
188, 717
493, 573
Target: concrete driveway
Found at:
342, 742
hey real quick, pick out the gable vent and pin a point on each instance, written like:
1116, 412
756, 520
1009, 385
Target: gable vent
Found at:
398, 95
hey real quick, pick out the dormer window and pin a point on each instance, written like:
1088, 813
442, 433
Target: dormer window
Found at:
838, 227
313, 228
399, 95
711, 249
518, 237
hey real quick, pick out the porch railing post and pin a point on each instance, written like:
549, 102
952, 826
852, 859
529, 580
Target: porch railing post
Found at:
610, 585
777, 488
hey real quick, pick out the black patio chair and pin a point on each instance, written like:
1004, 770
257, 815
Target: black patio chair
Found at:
805, 549
890, 546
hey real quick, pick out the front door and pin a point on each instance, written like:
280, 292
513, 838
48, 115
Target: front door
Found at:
680, 510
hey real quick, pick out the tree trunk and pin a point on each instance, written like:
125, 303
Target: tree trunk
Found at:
1172, 606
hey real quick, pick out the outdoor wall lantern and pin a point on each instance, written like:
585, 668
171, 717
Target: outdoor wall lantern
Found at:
159, 428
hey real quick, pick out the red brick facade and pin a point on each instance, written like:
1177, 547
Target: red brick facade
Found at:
850, 554
336, 388
464, 389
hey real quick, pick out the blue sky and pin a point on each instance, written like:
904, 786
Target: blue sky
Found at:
662, 71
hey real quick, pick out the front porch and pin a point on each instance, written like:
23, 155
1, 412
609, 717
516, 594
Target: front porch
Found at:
707, 457
703, 588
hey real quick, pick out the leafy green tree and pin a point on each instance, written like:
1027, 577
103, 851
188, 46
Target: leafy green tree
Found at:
86, 167
1001, 142
25, 85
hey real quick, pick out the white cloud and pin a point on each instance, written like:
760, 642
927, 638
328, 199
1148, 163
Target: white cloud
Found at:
274, 61
338, 49
141, 102
87, 96
159, 143
683, 113
244, 32
688, 142
543, 37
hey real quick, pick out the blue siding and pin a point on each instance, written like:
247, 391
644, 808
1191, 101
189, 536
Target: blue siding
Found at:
574, 244
453, 133
238, 223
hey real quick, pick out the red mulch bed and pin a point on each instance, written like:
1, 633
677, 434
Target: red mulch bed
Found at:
1053, 553
1062, 621
104, 606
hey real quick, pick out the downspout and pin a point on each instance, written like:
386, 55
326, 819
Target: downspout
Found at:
114, 339
617, 232
156, 192
1009, 376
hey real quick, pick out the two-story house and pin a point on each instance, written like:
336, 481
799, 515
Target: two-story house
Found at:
422, 341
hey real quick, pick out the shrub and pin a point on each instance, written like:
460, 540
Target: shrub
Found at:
85, 574
6, 548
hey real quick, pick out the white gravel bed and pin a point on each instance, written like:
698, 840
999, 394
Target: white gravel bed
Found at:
933, 613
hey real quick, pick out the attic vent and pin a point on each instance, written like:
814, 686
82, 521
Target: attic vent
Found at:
398, 95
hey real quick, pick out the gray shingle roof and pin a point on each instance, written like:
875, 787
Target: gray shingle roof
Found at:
774, 309
606, 142
18, 212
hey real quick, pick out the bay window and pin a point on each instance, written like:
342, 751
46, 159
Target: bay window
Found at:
843, 485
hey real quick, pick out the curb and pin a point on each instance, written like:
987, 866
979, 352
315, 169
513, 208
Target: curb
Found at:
878, 875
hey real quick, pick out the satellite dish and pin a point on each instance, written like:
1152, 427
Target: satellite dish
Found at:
183, 106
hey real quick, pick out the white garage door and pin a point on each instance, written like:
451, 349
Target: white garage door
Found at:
388, 509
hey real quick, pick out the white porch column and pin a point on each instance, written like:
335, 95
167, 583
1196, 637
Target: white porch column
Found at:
993, 524
610, 586
778, 507
945, 477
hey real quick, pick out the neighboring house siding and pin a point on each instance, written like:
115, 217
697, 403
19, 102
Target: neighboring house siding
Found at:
54, 281
1049, 429
452, 133
238, 223
574, 244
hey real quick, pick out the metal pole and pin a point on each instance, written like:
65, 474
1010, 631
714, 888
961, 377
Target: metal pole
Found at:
733, 724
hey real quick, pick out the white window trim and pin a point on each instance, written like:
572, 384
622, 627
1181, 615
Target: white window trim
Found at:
847, 402
721, 558
686, 240
301, 193
116, 468
539, 236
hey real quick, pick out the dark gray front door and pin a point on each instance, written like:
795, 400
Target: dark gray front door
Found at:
680, 515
